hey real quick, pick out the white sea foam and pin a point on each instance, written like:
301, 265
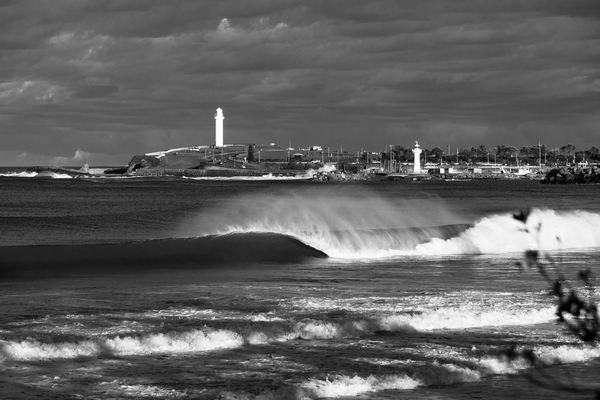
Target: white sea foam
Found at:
117, 388
547, 355
277, 331
171, 342
366, 320
419, 373
425, 370
344, 385
353, 386
28, 350
54, 175
455, 318
194, 313
23, 174
502, 234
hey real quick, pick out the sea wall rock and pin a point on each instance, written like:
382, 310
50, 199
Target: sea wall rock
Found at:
471, 175
572, 175
338, 176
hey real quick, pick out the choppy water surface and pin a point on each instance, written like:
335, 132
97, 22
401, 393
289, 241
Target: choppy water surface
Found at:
159, 288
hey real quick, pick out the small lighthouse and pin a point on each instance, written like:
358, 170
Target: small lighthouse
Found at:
219, 117
417, 152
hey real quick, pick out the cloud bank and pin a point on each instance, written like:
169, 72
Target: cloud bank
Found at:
123, 77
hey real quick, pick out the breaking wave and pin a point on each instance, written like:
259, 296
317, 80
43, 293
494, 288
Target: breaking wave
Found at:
255, 332
23, 174
33, 174
409, 373
418, 374
499, 234
269, 239
348, 226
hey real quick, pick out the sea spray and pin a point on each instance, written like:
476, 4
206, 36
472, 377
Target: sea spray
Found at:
340, 223
345, 225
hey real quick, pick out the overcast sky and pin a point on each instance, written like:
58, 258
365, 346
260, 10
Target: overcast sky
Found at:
101, 81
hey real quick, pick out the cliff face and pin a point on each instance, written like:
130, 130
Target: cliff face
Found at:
572, 175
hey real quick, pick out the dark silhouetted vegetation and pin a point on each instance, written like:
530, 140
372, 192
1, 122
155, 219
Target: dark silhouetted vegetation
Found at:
576, 311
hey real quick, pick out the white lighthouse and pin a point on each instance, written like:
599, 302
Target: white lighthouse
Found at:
219, 117
417, 152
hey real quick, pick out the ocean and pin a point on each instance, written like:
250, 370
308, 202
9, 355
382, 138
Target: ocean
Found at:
172, 288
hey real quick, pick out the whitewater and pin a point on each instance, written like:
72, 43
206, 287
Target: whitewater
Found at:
204, 289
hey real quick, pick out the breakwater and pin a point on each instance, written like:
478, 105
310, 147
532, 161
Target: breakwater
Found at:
572, 175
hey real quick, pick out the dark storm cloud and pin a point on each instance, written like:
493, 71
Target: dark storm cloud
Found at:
114, 78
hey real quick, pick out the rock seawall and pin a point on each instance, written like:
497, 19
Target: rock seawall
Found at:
572, 175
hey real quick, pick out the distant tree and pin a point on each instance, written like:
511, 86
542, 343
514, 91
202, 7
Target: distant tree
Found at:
552, 156
435, 155
579, 156
468, 155
506, 153
568, 152
436, 152
402, 153
538, 153
251, 153
525, 152
482, 153
594, 154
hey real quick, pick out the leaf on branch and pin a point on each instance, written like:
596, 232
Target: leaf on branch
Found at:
523, 215
530, 260
532, 256
585, 276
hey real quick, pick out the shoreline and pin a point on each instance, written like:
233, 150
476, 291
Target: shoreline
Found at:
564, 175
